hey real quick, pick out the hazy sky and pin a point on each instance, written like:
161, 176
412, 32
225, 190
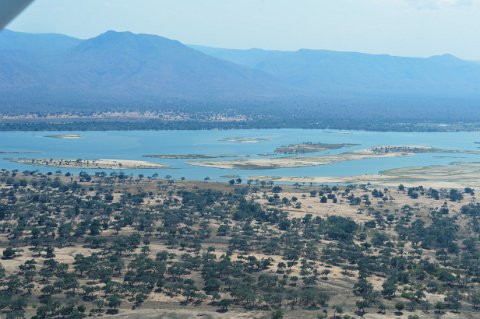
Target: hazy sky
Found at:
399, 27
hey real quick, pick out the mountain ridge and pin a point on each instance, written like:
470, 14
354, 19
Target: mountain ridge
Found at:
341, 71
124, 70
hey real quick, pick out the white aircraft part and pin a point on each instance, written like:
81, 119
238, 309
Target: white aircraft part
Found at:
9, 9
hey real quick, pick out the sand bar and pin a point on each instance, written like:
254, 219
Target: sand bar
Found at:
309, 147
64, 136
305, 161
119, 164
455, 175
187, 156
244, 139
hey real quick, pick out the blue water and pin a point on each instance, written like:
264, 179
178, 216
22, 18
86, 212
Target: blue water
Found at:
135, 144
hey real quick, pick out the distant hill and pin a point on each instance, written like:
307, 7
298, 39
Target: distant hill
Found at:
118, 69
35, 43
329, 72
51, 73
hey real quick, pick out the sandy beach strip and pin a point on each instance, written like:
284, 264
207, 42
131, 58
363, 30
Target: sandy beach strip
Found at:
119, 164
455, 175
305, 161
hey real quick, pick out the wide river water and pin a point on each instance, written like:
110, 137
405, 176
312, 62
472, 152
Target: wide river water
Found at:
135, 144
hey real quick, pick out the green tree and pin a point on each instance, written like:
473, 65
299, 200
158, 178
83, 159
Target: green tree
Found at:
452, 300
8, 253
361, 306
399, 306
277, 315
224, 304
114, 301
389, 288
337, 309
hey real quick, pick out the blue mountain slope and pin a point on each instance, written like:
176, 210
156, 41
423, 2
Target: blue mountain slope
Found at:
36, 43
128, 63
349, 72
120, 68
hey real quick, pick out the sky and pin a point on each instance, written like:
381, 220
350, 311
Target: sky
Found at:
396, 27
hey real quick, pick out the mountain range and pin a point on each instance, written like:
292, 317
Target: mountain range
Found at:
122, 70
328, 72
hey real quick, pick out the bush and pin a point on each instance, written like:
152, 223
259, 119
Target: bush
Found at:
9, 253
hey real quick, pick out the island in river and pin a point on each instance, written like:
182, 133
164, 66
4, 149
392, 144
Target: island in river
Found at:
187, 156
244, 139
309, 147
119, 164
304, 161
64, 136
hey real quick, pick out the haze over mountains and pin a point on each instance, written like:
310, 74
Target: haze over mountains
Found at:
56, 73
330, 72
118, 69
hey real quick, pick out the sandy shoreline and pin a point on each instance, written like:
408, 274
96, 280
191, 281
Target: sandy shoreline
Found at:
119, 164
375, 180
244, 139
456, 175
310, 147
64, 136
305, 161
187, 156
